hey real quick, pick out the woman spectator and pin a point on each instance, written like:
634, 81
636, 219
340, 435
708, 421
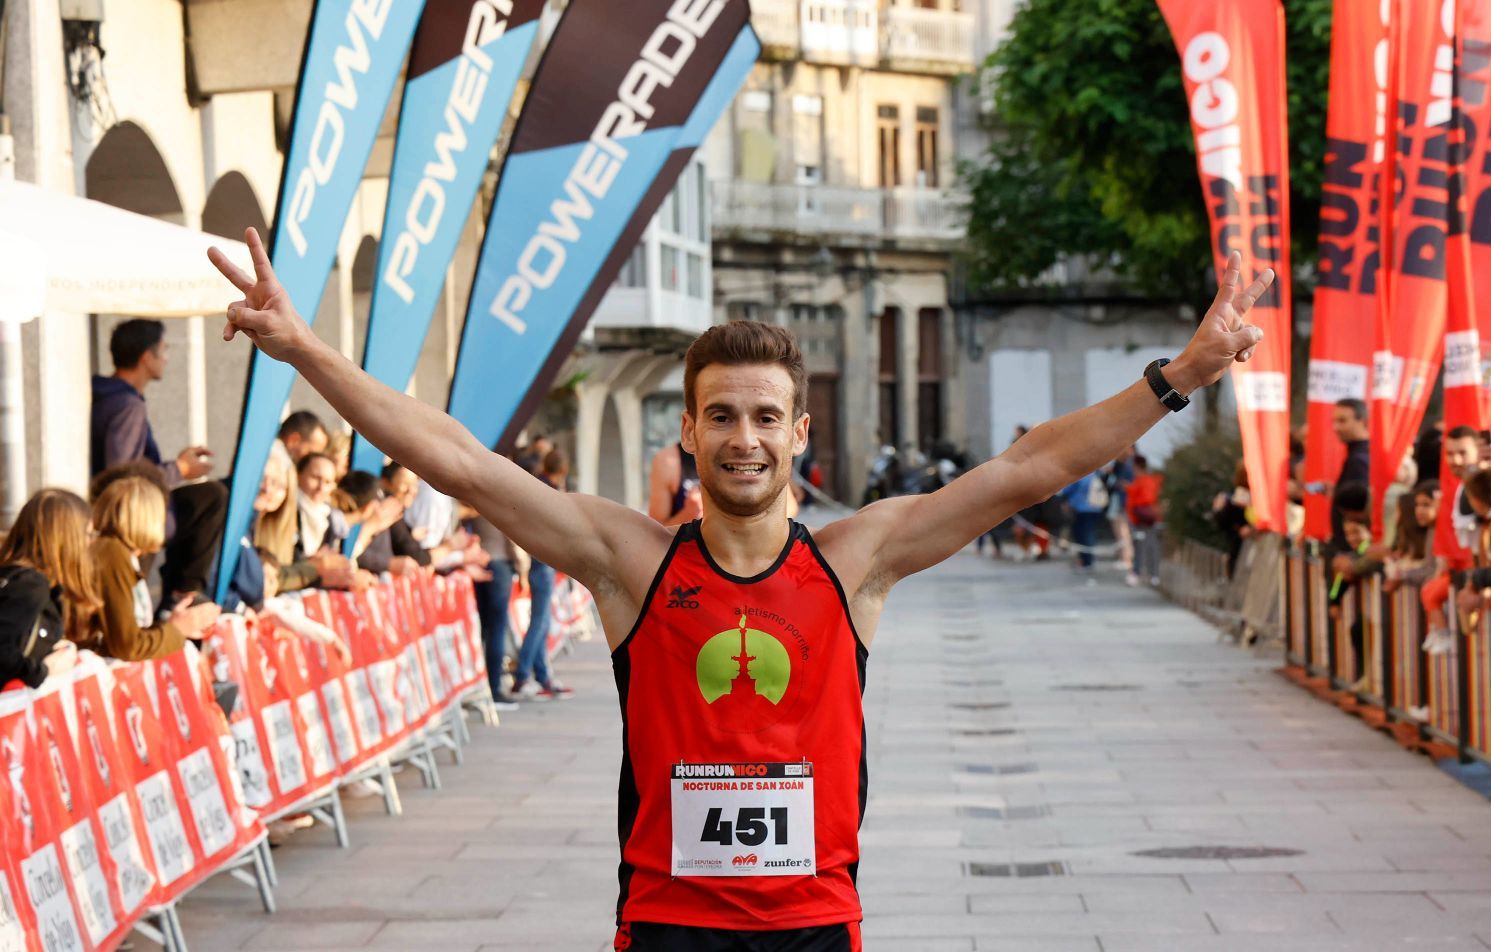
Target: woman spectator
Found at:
49, 539
130, 517
321, 525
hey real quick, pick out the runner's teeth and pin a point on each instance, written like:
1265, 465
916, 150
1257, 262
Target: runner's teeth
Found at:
745, 467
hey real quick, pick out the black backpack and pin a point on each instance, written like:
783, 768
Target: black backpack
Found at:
30, 623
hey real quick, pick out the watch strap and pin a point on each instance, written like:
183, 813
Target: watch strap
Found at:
1168, 395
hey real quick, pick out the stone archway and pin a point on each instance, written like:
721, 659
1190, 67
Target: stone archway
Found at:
231, 207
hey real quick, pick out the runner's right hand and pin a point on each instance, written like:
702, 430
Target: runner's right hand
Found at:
265, 315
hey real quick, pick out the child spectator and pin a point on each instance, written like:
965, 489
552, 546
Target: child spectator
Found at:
1410, 560
130, 517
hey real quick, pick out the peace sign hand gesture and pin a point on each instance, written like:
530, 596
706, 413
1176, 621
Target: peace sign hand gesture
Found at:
265, 315
1223, 336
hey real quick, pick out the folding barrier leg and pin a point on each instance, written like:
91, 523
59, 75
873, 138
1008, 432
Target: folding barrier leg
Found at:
391, 804
264, 877
171, 925
456, 729
331, 814
266, 857
426, 763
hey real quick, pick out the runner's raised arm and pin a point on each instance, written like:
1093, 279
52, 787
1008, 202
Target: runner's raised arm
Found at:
587, 537
879, 550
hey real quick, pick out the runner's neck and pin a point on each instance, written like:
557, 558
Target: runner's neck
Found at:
746, 545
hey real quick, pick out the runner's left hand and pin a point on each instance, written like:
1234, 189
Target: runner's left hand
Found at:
1223, 336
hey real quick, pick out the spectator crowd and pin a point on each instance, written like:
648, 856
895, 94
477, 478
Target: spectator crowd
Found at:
130, 572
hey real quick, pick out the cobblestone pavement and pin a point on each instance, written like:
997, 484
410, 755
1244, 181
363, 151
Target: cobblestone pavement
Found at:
1030, 741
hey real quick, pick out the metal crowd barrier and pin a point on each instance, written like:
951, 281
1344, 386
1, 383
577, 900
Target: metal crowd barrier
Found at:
1248, 604
1366, 655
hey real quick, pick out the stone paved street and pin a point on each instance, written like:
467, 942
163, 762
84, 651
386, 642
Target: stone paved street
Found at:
1028, 740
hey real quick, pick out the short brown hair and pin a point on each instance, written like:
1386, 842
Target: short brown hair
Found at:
746, 342
1479, 485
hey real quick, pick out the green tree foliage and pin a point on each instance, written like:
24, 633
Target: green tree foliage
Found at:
1194, 474
1092, 152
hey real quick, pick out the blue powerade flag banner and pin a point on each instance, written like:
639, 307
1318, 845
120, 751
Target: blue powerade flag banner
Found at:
353, 52
463, 68
618, 104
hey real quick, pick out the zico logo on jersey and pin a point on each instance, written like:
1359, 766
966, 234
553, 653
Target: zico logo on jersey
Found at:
682, 597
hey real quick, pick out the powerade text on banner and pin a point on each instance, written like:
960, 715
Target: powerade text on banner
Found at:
616, 108
353, 52
1232, 58
463, 67
1346, 298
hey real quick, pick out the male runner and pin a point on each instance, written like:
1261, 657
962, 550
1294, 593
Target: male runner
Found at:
739, 641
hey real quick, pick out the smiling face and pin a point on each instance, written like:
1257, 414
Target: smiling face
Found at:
744, 437
318, 479
403, 486
272, 489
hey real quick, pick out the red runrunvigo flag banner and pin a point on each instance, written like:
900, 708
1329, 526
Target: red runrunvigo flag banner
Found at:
1346, 295
1468, 322
1410, 332
1232, 58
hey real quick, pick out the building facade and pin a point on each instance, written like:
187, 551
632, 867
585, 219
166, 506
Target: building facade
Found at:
185, 120
835, 215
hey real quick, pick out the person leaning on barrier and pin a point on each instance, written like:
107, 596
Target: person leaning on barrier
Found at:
50, 539
1476, 592
129, 517
1411, 562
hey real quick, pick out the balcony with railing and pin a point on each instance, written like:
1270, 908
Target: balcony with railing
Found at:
859, 215
843, 32
920, 40
776, 26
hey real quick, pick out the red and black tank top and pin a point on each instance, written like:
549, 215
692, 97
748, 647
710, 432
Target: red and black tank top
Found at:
743, 771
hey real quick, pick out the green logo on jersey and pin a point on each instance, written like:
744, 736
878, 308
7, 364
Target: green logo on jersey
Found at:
743, 663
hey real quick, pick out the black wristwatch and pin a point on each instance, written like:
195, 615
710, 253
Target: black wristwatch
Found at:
1168, 395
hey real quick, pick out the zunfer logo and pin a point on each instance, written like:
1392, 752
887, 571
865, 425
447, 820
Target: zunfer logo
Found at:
684, 597
748, 859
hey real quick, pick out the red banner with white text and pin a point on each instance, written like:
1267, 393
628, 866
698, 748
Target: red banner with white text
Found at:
1346, 296
1232, 58
1411, 328
1468, 321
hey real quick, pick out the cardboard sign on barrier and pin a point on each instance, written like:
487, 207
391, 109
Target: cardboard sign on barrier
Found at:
103, 773
125, 785
148, 768
89, 867
36, 829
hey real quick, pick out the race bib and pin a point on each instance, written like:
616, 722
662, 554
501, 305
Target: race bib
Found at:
743, 820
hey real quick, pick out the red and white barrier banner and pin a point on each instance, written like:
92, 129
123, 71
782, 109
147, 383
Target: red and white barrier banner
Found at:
33, 838
1418, 194
569, 608
1232, 58
1467, 338
1346, 299
124, 786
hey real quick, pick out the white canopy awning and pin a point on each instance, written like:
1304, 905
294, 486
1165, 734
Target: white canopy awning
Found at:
63, 253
